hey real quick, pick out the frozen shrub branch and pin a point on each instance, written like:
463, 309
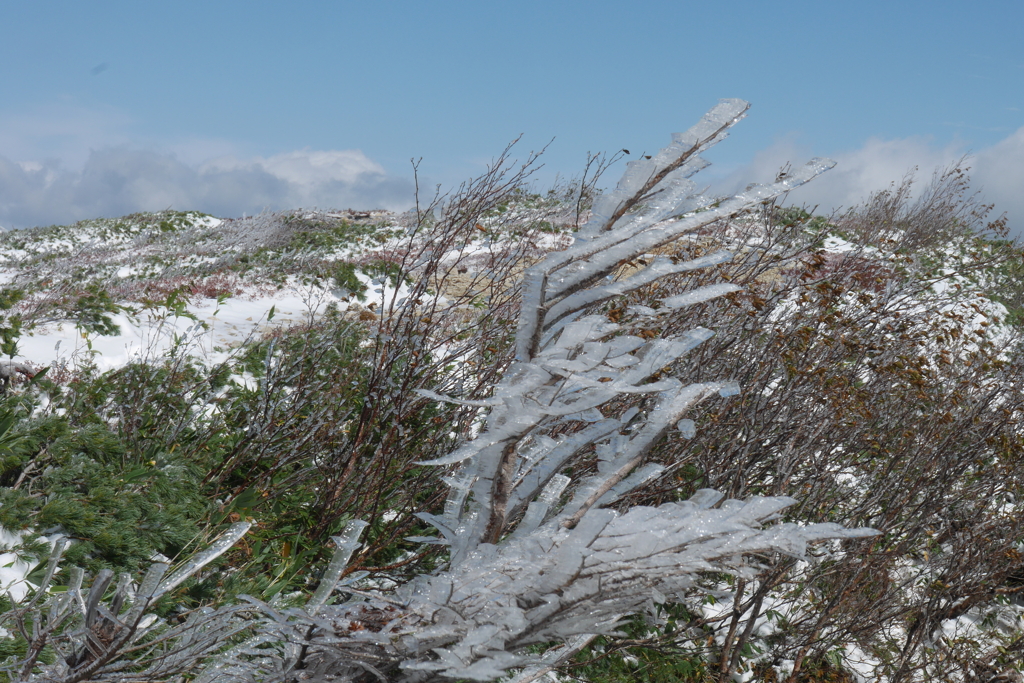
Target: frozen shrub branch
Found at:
533, 556
564, 569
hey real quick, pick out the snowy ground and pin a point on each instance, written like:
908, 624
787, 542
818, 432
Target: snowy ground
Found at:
149, 256
216, 329
13, 569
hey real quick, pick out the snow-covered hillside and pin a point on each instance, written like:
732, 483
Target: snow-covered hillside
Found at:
164, 278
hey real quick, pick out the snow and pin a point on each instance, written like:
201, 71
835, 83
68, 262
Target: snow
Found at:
219, 327
13, 570
227, 325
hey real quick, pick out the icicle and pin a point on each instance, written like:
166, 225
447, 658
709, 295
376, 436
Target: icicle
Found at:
461, 454
731, 388
644, 475
661, 352
533, 518
588, 328
534, 281
346, 544
197, 562
710, 130
687, 429
553, 491
700, 295
604, 253
485, 403
540, 473
148, 591
608, 452
536, 449
460, 487
51, 568
659, 268
99, 586
705, 498
538, 509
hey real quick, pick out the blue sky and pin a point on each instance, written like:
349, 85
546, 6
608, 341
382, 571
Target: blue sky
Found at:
234, 107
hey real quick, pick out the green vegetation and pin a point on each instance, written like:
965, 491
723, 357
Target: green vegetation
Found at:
10, 323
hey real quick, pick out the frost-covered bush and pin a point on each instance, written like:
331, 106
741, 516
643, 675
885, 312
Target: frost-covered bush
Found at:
541, 541
881, 387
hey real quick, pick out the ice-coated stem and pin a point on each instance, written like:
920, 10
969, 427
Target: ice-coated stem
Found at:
215, 550
346, 544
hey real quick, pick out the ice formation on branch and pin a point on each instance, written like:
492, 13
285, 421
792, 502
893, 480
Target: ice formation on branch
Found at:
526, 567
556, 584
114, 638
569, 363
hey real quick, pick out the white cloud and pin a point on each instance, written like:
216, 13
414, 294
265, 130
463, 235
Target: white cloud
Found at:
308, 167
999, 174
997, 171
64, 161
338, 178
114, 181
